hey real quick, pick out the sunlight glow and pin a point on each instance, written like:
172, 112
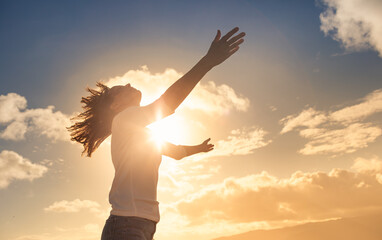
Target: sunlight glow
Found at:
170, 129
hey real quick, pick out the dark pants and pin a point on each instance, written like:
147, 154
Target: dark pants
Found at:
128, 228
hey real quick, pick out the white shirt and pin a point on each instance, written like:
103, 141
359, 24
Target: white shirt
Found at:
136, 159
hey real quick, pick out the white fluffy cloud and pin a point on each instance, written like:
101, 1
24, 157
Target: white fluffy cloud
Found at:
15, 167
73, 206
10, 106
356, 24
302, 196
207, 96
340, 131
241, 142
19, 121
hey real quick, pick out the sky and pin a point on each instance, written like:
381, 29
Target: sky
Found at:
295, 114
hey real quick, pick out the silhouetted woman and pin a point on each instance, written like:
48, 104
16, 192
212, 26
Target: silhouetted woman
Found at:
135, 156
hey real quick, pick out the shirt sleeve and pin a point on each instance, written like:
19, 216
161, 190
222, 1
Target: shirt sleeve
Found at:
143, 116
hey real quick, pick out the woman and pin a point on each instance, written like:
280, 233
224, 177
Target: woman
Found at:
135, 157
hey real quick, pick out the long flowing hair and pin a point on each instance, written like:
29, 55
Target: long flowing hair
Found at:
93, 125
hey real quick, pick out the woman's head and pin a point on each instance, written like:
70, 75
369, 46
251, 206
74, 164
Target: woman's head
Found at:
100, 107
124, 97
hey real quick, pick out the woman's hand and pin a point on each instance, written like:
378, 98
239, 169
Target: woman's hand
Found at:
205, 146
223, 48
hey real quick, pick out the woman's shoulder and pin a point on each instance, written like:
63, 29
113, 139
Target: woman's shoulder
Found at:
123, 117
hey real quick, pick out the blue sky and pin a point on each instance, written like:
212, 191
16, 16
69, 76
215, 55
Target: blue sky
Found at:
288, 68
45, 43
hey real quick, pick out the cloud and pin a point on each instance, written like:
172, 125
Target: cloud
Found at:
216, 99
272, 108
14, 131
307, 118
207, 96
73, 206
15, 167
368, 106
240, 142
19, 121
178, 179
302, 196
172, 221
10, 106
90, 231
340, 131
344, 140
356, 24
367, 165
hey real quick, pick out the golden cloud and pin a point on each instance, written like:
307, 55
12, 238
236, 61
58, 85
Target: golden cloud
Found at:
207, 96
73, 206
340, 131
302, 196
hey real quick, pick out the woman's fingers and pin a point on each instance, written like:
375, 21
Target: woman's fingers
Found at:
233, 51
207, 147
229, 34
223, 47
236, 44
235, 38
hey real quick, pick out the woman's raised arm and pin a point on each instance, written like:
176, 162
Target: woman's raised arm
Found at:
220, 49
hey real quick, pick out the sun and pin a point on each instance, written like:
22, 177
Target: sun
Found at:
170, 129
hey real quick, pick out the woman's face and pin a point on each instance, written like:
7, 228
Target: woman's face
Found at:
124, 96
